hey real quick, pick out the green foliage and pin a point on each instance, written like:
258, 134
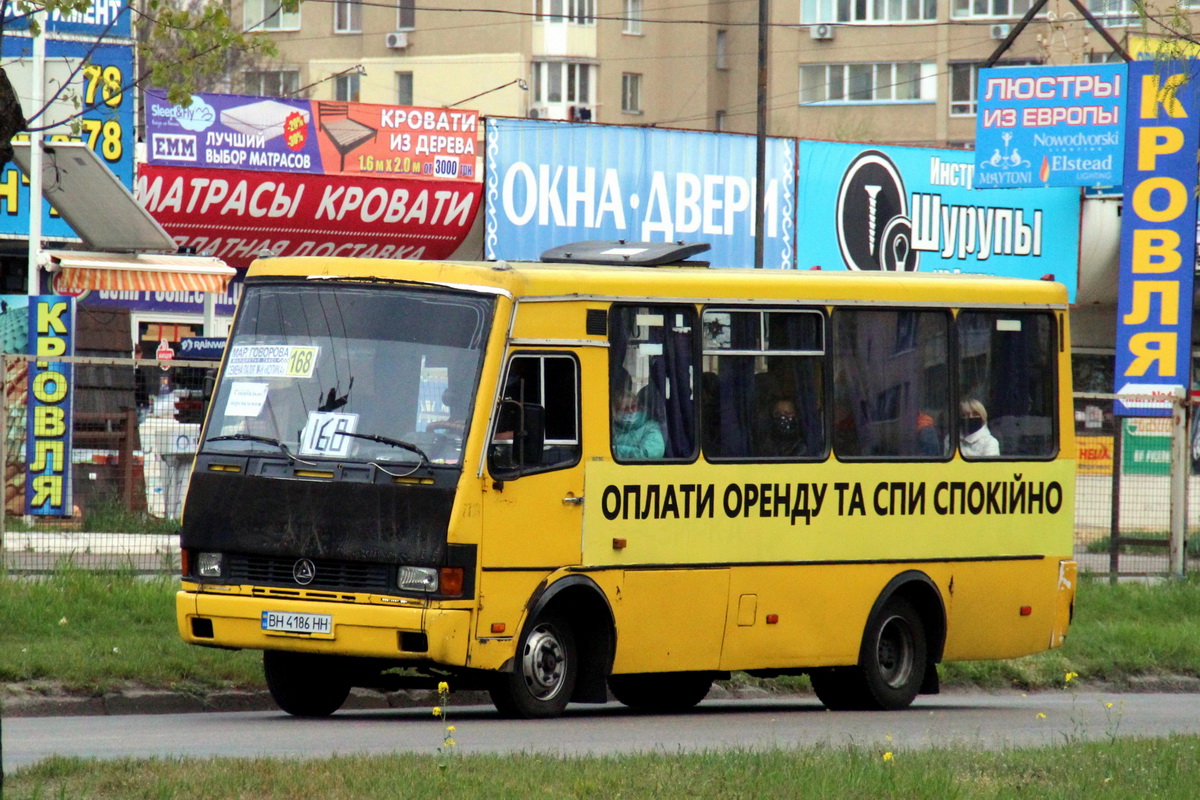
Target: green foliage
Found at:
1159, 768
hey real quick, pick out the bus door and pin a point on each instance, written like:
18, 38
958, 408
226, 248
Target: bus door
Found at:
533, 510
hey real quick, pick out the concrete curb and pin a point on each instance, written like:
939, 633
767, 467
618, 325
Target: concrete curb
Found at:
26, 703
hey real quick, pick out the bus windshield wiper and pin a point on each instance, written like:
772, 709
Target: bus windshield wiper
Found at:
250, 437
412, 448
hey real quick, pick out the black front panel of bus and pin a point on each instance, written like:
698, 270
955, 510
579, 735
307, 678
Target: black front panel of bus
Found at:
238, 513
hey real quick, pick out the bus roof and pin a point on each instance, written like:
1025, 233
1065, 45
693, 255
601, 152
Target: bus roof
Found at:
535, 280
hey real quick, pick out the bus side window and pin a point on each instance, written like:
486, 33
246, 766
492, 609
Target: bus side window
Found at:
652, 380
1007, 378
540, 398
763, 386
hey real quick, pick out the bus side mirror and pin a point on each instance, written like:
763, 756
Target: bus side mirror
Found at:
519, 438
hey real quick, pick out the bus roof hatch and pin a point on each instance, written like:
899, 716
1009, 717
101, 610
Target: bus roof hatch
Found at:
632, 254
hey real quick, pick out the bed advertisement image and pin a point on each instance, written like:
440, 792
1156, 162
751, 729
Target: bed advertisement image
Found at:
312, 136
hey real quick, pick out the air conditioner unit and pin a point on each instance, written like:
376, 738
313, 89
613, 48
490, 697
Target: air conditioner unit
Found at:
537, 112
397, 40
821, 33
1001, 31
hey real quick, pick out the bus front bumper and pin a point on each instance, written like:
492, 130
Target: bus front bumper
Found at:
369, 630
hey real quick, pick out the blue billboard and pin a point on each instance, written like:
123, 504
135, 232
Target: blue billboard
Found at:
1050, 126
104, 88
550, 183
903, 209
1158, 236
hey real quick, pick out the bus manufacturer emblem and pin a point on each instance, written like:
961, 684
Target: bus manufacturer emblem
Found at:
304, 572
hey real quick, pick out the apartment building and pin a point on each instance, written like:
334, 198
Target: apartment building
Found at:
900, 71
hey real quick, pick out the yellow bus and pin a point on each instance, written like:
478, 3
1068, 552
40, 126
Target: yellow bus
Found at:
617, 470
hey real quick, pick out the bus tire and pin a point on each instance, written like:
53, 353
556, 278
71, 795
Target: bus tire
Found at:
661, 692
891, 667
542, 678
305, 684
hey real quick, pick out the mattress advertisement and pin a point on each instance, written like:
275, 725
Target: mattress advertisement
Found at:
238, 215
315, 137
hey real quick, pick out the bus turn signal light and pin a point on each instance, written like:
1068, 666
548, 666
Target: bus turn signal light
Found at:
497, 627
450, 581
772, 619
1026, 611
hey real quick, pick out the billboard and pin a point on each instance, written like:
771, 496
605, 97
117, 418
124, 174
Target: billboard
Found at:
1158, 236
313, 137
902, 209
551, 183
37, 478
104, 88
235, 215
1051, 126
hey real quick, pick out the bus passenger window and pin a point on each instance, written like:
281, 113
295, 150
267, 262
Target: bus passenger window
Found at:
1007, 384
651, 382
891, 385
541, 399
763, 385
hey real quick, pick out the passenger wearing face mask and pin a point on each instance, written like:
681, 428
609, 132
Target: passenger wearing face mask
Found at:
783, 437
974, 438
635, 437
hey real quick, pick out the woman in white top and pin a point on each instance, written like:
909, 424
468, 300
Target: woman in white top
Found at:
974, 438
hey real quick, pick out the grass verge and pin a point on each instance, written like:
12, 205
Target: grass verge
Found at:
1159, 768
92, 632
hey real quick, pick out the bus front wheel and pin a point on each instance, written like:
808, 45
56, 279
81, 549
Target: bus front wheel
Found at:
542, 679
305, 684
665, 692
891, 668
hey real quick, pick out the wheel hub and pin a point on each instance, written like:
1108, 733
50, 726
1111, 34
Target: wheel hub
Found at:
543, 664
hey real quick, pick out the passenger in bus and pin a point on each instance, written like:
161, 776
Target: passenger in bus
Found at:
782, 436
974, 438
929, 442
635, 437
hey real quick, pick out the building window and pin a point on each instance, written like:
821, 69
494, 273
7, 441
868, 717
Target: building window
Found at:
633, 17
578, 12
631, 93
722, 50
903, 82
347, 16
346, 88
815, 12
993, 8
563, 82
1119, 12
271, 83
404, 88
406, 15
268, 15
964, 86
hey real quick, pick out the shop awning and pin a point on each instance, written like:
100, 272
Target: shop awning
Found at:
76, 272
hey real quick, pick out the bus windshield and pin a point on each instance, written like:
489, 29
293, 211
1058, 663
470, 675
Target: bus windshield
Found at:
369, 374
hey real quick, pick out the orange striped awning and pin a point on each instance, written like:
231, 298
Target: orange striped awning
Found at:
78, 272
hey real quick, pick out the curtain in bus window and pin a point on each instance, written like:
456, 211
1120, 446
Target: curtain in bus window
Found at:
1007, 377
651, 365
891, 384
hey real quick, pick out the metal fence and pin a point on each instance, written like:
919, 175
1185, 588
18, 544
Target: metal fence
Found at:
135, 424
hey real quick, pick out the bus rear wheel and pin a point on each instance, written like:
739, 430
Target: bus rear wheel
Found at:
891, 669
542, 679
662, 692
306, 684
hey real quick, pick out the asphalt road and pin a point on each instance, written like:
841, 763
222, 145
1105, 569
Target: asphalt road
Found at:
972, 720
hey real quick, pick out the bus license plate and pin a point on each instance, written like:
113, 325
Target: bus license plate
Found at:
287, 622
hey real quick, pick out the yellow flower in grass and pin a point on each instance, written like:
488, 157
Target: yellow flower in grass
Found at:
1070, 676
888, 756
437, 711
1041, 715
452, 729
443, 687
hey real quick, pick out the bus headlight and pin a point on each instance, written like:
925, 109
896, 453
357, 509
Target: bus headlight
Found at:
209, 565
417, 579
